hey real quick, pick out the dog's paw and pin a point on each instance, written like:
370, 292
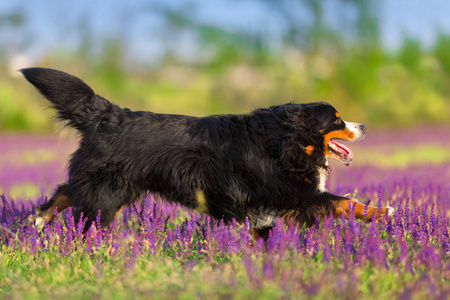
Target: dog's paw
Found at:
31, 219
37, 219
390, 210
385, 211
39, 222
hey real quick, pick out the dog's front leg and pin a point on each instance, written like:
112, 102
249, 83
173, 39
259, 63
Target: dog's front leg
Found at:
363, 212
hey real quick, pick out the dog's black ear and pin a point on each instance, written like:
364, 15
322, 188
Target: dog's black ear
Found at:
290, 110
294, 111
298, 116
301, 126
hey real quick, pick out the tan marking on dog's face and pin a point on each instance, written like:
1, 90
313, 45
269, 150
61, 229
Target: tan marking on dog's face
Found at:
338, 115
345, 134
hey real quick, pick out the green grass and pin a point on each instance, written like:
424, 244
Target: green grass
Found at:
78, 275
100, 276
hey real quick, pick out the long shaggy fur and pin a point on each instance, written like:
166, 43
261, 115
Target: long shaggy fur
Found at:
252, 165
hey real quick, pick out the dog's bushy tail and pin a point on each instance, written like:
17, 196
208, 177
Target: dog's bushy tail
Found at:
73, 99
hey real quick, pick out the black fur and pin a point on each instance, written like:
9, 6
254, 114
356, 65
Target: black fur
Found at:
252, 165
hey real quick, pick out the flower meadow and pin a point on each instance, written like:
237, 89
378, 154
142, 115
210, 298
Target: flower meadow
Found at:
159, 250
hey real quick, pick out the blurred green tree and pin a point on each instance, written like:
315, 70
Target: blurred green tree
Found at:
322, 51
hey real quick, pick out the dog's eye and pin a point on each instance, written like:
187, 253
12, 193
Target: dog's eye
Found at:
338, 121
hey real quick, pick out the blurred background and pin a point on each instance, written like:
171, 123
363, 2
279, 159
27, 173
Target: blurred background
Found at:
379, 62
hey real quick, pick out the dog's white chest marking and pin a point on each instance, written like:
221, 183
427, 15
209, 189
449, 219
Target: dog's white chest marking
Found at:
323, 175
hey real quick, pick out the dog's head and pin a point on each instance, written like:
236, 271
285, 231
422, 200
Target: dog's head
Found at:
318, 126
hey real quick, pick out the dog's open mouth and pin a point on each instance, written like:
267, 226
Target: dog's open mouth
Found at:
340, 152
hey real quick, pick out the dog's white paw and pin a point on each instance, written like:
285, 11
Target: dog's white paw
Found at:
390, 210
39, 222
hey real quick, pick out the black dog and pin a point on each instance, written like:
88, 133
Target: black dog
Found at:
271, 162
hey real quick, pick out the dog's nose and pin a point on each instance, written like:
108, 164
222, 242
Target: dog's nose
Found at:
363, 127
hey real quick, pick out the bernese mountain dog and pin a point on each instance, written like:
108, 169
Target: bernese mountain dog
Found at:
272, 162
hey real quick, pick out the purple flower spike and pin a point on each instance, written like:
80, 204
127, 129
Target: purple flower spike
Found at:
34, 241
98, 219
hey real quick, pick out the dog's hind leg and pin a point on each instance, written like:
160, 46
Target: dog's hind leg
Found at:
90, 216
45, 212
105, 198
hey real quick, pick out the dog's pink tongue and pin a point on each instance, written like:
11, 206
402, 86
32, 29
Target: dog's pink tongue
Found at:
345, 152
